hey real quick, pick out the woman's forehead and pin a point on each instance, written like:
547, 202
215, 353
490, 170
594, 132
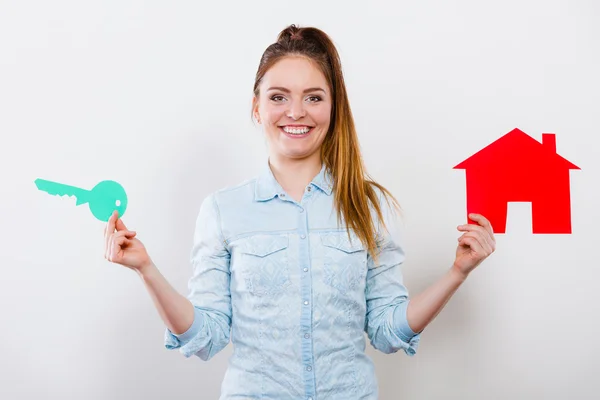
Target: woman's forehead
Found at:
295, 74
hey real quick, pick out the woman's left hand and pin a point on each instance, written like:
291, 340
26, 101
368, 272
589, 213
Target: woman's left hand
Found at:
475, 244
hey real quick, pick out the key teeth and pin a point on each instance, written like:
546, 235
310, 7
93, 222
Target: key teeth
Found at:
48, 187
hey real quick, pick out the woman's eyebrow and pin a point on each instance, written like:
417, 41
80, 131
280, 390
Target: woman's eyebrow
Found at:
315, 89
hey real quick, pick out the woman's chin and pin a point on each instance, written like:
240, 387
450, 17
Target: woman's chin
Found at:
296, 154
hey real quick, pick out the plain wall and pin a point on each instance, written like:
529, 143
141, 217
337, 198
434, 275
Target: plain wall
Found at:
156, 95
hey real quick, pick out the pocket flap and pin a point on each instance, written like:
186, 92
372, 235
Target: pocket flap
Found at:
340, 241
263, 245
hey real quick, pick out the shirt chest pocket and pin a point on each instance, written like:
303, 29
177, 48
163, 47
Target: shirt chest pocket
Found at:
264, 264
344, 261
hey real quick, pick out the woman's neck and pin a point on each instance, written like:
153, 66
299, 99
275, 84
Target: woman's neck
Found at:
295, 175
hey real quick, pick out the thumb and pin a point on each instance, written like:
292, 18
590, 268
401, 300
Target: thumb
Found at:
120, 225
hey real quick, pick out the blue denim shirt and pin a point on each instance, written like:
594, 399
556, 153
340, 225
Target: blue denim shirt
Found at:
294, 294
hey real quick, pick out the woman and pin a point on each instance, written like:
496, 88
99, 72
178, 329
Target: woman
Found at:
295, 283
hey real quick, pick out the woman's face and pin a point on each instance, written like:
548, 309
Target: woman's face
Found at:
294, 108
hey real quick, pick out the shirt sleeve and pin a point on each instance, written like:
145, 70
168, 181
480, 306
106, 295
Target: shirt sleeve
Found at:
209, 290
387, 298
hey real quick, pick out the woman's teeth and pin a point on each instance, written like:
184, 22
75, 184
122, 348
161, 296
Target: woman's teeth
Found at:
296, 131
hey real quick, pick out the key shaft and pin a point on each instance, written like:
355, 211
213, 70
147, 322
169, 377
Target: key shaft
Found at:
60, 189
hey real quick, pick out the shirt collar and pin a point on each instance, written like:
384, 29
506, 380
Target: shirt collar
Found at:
267, 186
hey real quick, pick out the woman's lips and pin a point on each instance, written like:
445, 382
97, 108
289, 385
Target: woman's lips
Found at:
296, 136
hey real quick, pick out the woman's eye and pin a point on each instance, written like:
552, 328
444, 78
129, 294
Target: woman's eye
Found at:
316, 98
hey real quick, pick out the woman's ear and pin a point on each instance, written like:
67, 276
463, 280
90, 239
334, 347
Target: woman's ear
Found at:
255, 109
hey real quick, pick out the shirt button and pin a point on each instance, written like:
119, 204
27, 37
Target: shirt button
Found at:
306, 335
302, 236
305, 302
309, 188
305, 269
309, 368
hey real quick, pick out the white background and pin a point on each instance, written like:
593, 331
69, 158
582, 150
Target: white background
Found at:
156, 95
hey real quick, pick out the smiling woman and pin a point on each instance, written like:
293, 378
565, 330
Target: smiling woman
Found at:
294, 89
294, 284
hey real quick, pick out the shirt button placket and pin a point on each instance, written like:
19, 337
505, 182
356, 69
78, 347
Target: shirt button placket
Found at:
305, 292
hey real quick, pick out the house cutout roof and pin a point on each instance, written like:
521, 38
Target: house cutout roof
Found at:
517, 143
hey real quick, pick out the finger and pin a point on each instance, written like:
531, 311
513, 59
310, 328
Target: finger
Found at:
471, 228
115, 246
482, 246
111, 222
107, 247
477, 228
483, 221
120, 225
471, 238
127, 234
108, 230
473, 243
111, 245
105, 239
119, 242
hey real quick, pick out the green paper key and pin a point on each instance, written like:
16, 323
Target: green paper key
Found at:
103, 199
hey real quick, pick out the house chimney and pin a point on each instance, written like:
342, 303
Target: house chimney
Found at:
549, 141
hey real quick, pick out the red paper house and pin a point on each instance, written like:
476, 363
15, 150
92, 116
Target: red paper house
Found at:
517, 167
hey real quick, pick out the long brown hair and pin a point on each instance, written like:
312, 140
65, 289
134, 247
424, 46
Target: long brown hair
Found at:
353, 187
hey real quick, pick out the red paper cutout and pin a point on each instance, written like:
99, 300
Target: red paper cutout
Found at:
517, 167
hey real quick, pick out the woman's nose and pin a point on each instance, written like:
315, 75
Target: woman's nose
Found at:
296, 111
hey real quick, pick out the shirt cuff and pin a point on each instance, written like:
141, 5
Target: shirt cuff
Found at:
192, 330
401, 327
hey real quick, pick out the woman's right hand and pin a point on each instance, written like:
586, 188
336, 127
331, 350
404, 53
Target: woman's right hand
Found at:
121, 247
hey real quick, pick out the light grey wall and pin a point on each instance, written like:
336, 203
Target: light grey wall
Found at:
156, 95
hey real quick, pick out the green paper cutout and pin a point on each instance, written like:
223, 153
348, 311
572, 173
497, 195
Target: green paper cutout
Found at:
103, 199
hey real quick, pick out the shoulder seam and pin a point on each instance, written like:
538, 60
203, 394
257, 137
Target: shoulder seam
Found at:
219, 224
239, 185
